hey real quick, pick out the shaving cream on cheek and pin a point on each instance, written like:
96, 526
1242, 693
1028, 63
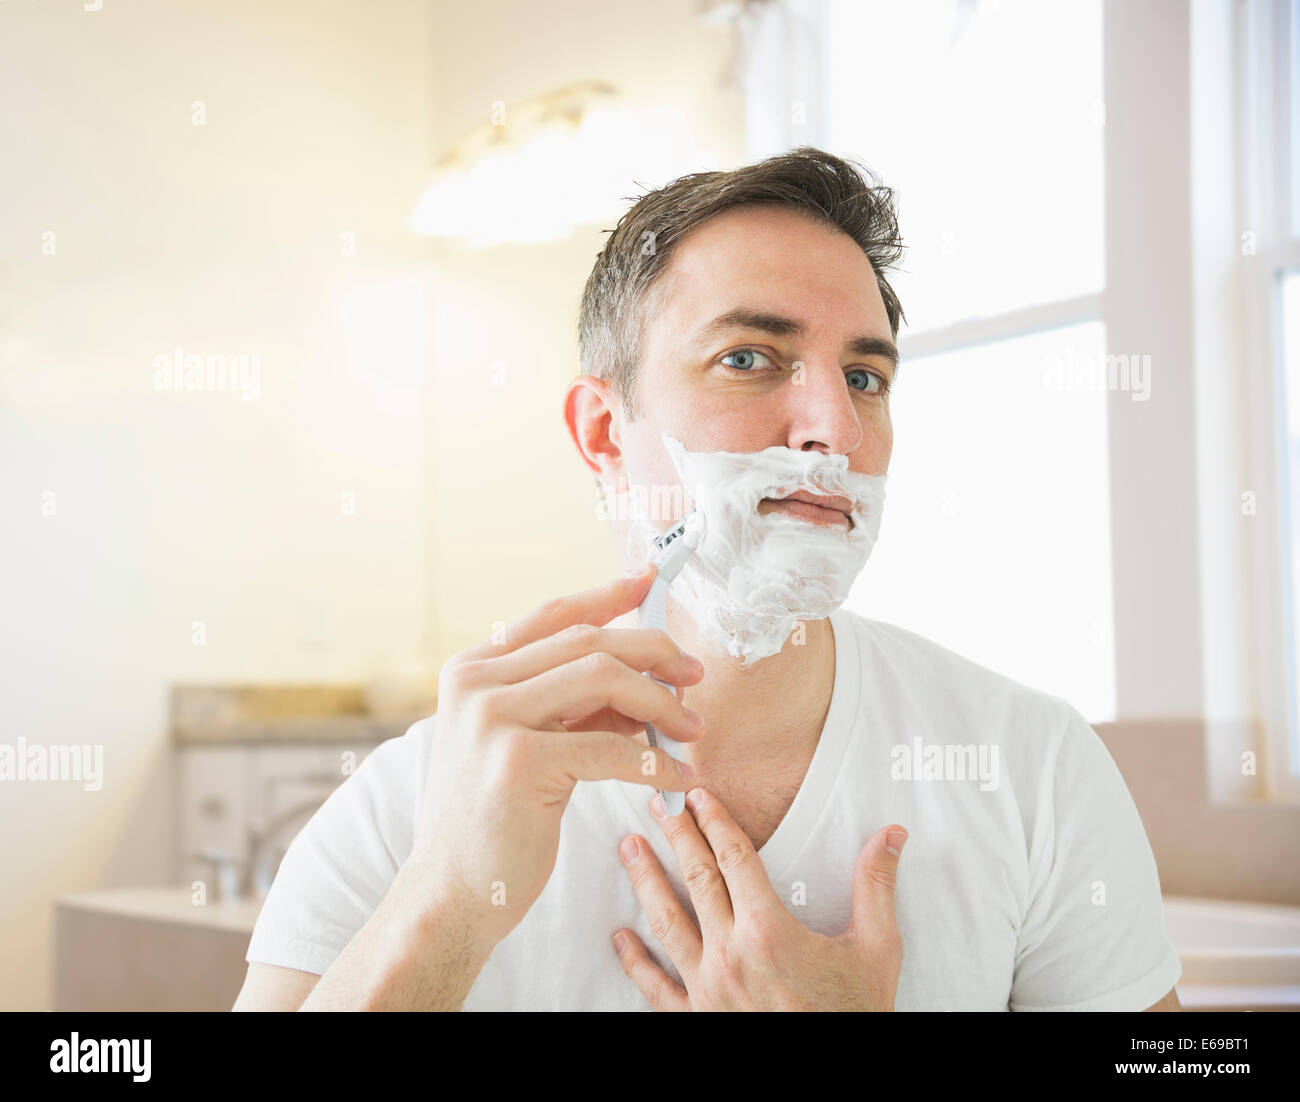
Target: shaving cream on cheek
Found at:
754, 575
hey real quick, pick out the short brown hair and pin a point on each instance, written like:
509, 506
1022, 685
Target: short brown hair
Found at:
621, 291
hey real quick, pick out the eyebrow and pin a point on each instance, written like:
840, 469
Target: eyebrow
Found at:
780, 326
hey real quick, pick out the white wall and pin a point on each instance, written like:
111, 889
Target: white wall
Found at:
514, 508
176, 507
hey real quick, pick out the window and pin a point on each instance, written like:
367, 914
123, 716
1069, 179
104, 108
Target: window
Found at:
996, 536
987, 120
1268, 66
1075, 179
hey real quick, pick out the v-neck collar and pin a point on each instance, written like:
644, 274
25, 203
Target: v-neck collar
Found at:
795, 830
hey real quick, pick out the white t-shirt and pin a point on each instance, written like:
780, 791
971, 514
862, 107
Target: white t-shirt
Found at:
1027, 882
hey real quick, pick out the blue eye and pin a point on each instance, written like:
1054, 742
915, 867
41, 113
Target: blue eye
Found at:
745, 358
860, 380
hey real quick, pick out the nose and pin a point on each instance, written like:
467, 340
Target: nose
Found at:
821, 414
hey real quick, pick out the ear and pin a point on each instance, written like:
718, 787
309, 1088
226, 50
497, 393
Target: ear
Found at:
593, 412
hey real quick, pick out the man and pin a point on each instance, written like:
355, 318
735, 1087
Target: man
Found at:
486, 859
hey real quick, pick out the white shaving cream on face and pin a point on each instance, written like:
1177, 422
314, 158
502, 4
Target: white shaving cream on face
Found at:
753, 575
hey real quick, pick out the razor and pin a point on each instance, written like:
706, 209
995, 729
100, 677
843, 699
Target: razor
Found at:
671, 550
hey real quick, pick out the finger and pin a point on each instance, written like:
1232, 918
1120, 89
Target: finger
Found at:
640, 649
699, 870
606, 755
597, 681
875, 878
669, 922
606, 720
747, 884
592, 606
651, 980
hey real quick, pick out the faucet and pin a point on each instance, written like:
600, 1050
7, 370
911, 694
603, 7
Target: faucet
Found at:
256, 878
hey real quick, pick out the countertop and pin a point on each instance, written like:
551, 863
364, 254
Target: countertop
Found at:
173, 905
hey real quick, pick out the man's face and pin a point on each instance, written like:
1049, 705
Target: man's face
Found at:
808, 368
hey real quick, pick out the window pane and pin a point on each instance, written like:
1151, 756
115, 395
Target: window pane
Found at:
987, 120
995, 540
1293, 102
1291, 471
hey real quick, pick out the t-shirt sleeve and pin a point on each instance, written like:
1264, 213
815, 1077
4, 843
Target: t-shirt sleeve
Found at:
342, 863
1093, 936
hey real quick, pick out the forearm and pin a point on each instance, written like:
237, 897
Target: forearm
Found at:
422, 949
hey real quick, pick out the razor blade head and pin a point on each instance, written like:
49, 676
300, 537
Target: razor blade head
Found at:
673, 547
685, 529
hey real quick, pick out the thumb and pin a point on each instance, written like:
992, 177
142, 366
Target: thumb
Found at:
875, 874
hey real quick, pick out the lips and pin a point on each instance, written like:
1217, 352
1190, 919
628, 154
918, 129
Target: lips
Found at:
826, 510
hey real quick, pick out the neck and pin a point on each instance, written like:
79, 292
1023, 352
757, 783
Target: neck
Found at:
759, 715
